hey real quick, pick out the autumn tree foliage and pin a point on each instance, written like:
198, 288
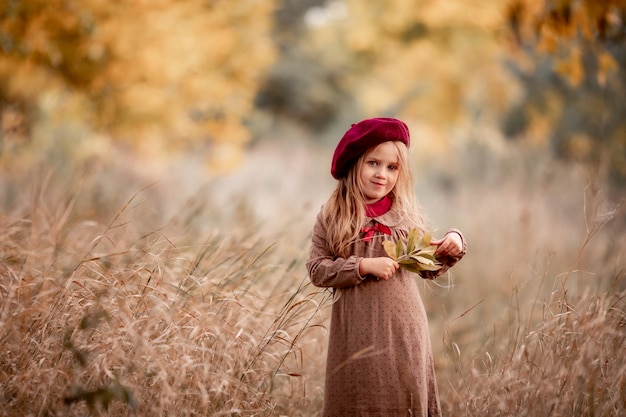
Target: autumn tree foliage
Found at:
415, 58
164, 74
424, 61
156, 71
570, 56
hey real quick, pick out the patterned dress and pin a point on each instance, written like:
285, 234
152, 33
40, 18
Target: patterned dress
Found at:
380, 360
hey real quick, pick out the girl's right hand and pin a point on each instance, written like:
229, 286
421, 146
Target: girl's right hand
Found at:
382, 267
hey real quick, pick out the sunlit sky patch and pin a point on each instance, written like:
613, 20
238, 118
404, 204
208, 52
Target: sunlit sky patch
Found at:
322, 15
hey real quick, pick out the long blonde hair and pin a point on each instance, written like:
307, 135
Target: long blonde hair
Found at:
344, 212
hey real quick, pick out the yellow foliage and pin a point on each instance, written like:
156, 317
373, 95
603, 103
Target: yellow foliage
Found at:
548, 40
476, 13
606, 65
190, 60
571, 67
184, 71
561, 25
414, 58
579, 146
542, 120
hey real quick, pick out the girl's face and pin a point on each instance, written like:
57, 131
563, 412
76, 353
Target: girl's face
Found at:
379, 171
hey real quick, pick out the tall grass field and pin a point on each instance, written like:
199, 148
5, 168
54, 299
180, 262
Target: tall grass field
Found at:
137, 288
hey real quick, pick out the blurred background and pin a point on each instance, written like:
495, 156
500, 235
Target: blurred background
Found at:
212, 78
516, 106
227, 113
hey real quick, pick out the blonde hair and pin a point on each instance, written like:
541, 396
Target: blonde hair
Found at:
344, 212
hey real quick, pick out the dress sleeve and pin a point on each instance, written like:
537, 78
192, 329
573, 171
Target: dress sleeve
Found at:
326, 270
447, 261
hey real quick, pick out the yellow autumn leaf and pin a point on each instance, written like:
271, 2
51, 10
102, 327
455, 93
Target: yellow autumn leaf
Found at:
390, 248
417, 256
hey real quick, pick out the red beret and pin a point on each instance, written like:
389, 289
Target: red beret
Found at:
362, 136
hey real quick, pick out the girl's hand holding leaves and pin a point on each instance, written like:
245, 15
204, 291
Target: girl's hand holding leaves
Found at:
419, 255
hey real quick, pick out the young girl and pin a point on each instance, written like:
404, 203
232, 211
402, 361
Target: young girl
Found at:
380, 359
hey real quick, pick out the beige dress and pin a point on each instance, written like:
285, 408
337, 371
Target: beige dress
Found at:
380, 359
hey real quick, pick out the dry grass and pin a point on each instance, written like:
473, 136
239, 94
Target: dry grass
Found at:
107, 317
570, 364
119, 299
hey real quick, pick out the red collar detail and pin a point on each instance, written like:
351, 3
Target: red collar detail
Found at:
379, 208
371, 231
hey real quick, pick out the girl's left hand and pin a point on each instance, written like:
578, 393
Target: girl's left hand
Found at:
450, 245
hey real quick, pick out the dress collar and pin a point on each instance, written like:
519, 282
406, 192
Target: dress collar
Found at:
379, 208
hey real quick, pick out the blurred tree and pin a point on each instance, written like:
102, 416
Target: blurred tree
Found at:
301, 87
425, 61
161, 73
570, 56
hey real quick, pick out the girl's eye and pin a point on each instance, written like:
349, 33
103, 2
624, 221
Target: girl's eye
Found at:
372, 163
393, 167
